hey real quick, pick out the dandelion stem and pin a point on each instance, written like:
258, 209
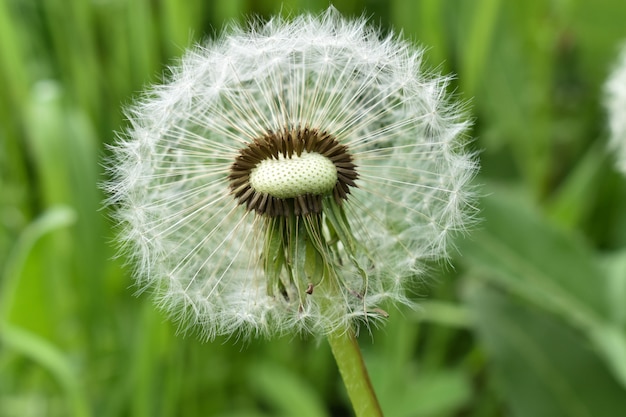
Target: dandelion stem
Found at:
355, 377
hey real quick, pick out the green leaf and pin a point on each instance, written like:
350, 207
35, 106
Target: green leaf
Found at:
414, 394
284, 391
610, 341
432, 394
443, 313
615, 267
52, 219
51, 358
543, 368
478, 43
574, 199
527, 255
522, 252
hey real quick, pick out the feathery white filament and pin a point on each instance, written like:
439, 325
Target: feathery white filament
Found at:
201, 252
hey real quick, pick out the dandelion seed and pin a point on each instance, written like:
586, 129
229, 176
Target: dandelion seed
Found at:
615, 100
302, 154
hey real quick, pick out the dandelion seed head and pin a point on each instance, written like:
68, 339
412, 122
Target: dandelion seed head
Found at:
291, 177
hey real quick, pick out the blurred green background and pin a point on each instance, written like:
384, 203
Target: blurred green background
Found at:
528, 320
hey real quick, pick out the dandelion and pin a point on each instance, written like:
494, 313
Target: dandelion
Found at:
291, 177
615, 100
281, 161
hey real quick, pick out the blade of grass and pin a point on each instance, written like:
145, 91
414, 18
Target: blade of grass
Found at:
53, 219
52, 359
476, 44
180, 20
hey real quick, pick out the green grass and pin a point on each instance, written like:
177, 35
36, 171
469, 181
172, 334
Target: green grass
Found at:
529, 322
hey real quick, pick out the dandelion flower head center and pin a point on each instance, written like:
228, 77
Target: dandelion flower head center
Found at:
309, 173
291, 171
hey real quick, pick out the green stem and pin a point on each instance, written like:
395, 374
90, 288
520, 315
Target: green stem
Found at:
314, 257
352, 368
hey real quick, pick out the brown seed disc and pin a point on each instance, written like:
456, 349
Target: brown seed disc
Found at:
287, 143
